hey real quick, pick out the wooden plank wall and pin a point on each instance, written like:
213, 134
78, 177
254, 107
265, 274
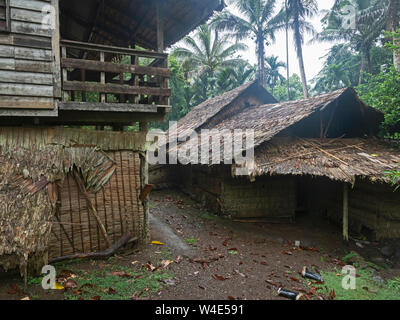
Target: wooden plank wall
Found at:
29, 58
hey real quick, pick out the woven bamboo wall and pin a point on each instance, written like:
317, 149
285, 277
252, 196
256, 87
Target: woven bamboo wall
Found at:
117, 204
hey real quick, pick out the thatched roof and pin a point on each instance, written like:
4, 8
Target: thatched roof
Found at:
338, 121
270, 120
124, 22
337, 159
207, 110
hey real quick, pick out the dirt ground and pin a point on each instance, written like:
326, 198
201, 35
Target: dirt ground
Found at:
217, 259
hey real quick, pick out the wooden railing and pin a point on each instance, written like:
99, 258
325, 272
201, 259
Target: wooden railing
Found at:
106, 74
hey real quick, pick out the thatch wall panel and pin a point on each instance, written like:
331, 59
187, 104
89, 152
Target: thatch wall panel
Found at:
117, 204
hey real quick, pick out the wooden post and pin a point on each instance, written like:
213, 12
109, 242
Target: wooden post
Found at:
144, 180
65, 73
102, 78
345, 212
160, 27
164, 82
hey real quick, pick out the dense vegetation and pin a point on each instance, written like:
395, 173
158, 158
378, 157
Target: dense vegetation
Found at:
364, 54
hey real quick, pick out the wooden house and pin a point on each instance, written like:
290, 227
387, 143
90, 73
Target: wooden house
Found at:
317, 155
67, 191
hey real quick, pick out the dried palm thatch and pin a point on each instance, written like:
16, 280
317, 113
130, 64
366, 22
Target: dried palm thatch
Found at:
207, 110
28, 196
338, 159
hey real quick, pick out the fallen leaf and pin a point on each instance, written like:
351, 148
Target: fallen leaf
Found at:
332, 294
134, 262
166, 263
122, 274
178, 259
287, 252
15, 290
111, 291
231, 298
157, 243
218, 277
294, 279
150, 267
26, 298
264, 263
70, 284
96, 298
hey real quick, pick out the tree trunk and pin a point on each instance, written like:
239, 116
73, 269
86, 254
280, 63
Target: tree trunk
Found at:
287, 51
299, 49
301, 65
261, 62
365, 64
396, 54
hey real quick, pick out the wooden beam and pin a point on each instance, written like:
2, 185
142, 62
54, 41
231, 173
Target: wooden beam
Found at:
113, 67
110, 107
345, 212
114, 88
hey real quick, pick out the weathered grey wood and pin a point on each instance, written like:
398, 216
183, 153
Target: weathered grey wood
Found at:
25, 15
30, 28
33, 66
14, 89
112, 49
56, 53
160, 27
7, 64
114, 88
34, 5
11, 102
345, 212
102, 78
113, 67
31, 42
110, 107
7, 51
26, 77
65, 73
33, 54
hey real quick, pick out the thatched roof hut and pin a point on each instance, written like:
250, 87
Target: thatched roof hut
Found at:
327, 141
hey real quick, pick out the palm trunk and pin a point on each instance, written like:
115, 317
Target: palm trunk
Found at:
287, 51
365, 64
396, 53
299, 48
261, 62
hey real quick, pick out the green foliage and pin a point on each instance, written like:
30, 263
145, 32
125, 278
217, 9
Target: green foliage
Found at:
342, 67
101, 284
366, 287
295, 89
394, 176
382, 92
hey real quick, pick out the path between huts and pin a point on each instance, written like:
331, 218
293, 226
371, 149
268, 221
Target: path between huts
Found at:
193, 254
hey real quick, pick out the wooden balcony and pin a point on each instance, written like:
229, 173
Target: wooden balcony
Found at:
99, 78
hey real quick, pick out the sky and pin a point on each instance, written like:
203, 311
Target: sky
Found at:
312, 53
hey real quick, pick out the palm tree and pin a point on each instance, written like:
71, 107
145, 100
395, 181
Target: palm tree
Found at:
207, 51
273, 75
257, 22
233, 77
299, 11
361, 38
385, 14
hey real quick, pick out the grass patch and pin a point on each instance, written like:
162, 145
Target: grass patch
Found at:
348, 256
99, 284
191, 241
389, 291
233, 252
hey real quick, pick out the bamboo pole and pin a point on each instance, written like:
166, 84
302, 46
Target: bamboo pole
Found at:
345, 212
